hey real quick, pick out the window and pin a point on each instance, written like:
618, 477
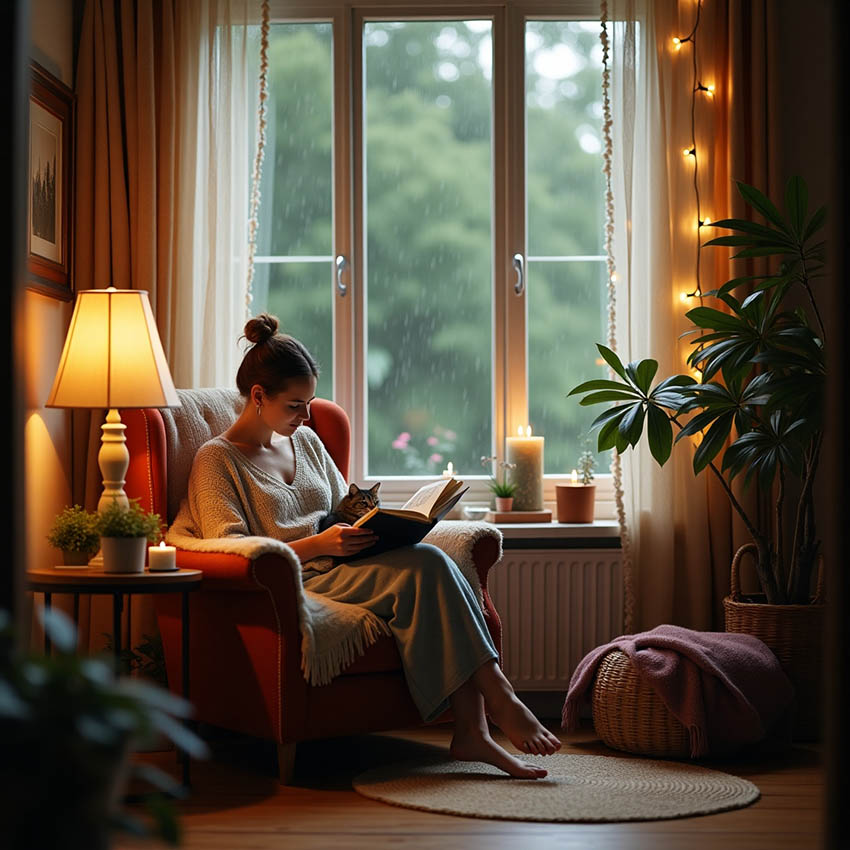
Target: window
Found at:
416, 169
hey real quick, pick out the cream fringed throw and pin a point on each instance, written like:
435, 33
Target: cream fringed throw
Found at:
333, 633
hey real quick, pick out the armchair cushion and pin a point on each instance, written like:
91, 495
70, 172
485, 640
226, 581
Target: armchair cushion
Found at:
203, 414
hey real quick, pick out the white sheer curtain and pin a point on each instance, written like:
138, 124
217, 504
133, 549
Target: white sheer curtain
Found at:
217, 92
654, 251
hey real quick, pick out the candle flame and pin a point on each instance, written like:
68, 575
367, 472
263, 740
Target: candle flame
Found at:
162, 544
575, 476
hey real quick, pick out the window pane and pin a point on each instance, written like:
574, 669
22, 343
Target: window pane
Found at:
298, 296
296, 216
565, 198
565, 186
567, 315
428, 253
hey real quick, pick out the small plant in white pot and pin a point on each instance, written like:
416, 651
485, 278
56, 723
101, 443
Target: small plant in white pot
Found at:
74, 531
124, 535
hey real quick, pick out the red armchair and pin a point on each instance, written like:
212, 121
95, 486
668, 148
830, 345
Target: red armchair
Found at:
245, 659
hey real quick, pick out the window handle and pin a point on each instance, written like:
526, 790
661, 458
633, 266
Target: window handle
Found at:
341, 266
519, 266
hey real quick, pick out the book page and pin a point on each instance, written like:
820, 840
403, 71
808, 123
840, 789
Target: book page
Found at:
424, 499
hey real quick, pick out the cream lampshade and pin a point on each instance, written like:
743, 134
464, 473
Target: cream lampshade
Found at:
113, 358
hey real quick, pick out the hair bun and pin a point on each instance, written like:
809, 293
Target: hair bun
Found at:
261, 328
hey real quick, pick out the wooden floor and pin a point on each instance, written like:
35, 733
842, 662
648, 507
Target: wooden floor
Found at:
237, 804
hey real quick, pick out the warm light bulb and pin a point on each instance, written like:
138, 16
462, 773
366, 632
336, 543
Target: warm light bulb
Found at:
689, 151
677, 43
709, 90
614, 277
683, 296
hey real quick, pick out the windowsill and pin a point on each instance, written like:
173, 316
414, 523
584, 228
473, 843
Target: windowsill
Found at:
537, 530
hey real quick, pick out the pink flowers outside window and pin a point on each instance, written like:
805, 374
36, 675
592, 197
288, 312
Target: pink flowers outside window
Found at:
428, 460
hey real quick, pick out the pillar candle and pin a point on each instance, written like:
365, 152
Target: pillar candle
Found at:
162, 558
527, 453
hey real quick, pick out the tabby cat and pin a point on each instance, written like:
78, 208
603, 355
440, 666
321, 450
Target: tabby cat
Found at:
352, 506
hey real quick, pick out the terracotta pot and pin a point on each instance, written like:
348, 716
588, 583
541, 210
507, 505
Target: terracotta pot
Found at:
575, 502
123, 554
504, 503
794, 633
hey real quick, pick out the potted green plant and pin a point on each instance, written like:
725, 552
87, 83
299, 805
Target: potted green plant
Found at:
67, 728
502, 489
74, 531
124, 535
576, 500
757, 410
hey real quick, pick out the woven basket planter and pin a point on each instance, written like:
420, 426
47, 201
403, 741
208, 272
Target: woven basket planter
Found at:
795, 635
628, 715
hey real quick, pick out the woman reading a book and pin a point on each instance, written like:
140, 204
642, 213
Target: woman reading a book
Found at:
267, 476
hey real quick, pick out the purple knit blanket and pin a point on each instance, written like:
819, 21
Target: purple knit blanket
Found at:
726, 689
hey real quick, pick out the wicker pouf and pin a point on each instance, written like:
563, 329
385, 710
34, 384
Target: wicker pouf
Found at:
628, 715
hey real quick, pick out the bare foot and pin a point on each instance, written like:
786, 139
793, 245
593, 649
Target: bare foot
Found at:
476, 745
523, 729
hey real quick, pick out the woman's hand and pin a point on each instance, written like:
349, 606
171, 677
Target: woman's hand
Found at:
342, 539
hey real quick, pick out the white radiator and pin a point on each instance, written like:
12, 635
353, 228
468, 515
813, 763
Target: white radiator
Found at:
555, 606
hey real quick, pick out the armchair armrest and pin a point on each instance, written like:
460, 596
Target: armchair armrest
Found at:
248, 564
474, 546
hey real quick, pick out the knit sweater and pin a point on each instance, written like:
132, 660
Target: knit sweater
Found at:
230, 496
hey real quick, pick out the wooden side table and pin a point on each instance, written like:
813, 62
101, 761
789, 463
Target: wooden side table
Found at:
77, 580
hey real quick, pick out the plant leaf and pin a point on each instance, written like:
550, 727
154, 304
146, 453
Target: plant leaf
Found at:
815, 224
660, 434
612, 360
599, 384
712, 442
644, 374
796, 204
763, 204
607, 395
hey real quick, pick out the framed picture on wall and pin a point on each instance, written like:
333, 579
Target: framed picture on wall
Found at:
50, 185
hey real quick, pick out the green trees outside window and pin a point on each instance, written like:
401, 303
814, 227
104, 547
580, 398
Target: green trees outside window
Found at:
428, 134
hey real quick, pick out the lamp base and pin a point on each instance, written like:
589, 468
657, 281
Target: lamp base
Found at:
113, 460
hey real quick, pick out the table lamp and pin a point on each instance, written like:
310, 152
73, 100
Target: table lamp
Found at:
113, 358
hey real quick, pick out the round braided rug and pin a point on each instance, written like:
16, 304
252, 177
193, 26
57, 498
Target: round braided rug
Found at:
578, 788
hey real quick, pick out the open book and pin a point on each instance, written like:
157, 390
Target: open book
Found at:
414, 519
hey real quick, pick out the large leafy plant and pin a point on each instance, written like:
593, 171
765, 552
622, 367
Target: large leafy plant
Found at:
67, 726
757, 408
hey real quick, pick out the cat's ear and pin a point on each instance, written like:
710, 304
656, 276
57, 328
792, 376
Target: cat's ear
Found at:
353, 490
375, 489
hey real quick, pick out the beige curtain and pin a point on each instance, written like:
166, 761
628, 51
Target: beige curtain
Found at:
681, 528
166, 117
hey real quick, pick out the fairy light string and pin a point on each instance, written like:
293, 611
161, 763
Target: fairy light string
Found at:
690, 152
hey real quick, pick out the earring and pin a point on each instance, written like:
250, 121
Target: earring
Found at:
259, 409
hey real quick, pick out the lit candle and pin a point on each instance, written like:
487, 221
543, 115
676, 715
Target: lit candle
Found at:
526, 452
574, 477
162, 558
449, 471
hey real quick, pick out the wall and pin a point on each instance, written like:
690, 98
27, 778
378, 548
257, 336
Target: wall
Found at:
47, 445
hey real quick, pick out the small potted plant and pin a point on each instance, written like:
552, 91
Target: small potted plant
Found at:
67, 728
74, 531
576, 501
503, 490
124, 533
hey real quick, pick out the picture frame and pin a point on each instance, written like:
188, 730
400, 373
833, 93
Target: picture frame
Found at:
50, 185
